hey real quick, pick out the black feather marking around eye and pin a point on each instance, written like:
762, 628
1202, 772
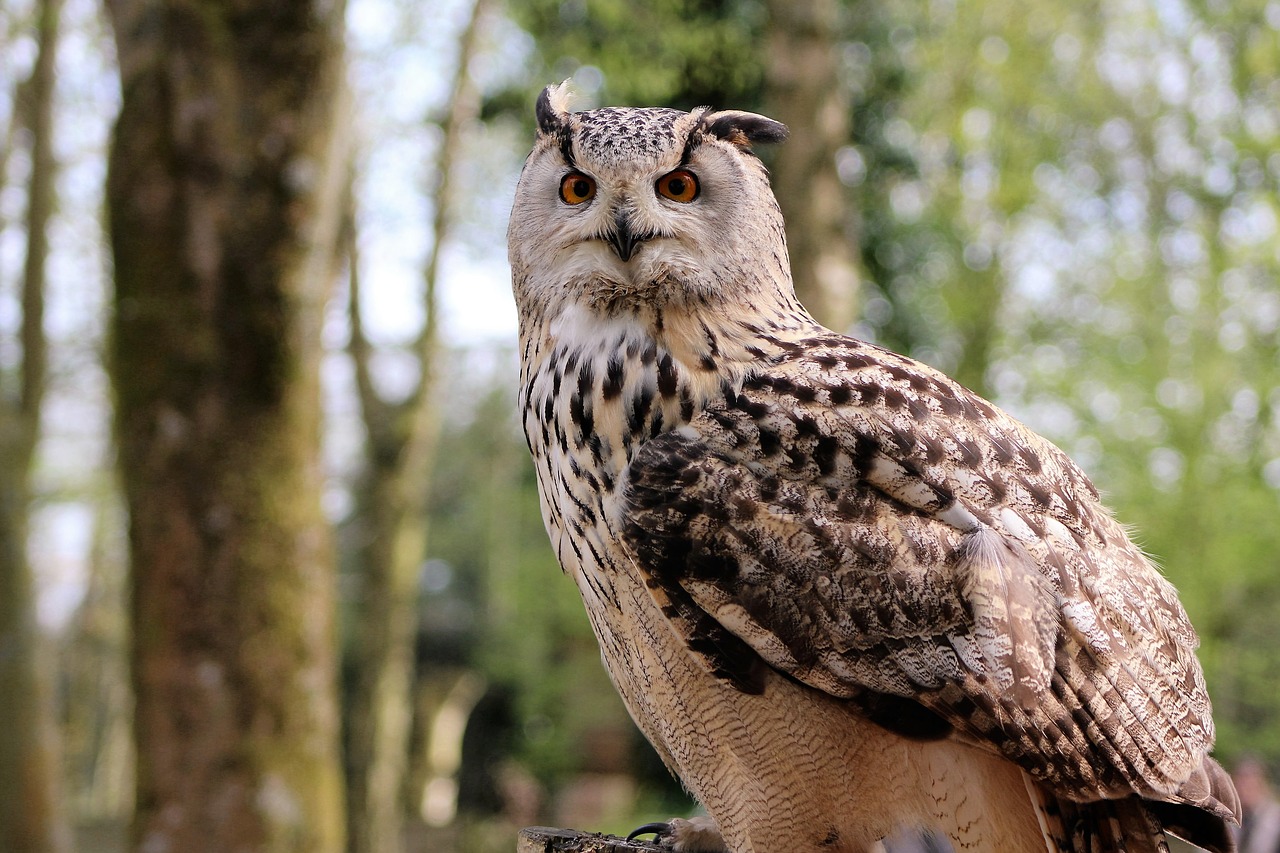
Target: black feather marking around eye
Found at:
694, 137
566, 149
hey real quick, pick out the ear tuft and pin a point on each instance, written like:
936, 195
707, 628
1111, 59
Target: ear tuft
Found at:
742, 129
552, 109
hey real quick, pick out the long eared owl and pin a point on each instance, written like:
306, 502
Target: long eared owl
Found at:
838, 592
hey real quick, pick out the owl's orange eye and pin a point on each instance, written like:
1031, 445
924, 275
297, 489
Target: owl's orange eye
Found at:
680, 185
577, 188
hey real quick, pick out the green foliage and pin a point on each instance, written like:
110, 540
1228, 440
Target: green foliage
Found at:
678, 53
1078, 213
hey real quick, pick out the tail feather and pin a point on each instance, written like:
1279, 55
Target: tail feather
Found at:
1201, 809
1201, 812
1111, 826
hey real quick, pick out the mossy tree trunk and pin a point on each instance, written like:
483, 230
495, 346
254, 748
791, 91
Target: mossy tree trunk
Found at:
32, 814
803, 90
391, 507
224, 199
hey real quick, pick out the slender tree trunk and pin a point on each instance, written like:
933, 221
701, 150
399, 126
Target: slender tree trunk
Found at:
224, 199
976, 302
97, 738
32, 813
803, 91
392, 510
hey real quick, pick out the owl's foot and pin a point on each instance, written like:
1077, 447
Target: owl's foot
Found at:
696, 835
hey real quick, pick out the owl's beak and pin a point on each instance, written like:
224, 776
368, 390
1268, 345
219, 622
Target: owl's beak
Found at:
623, 240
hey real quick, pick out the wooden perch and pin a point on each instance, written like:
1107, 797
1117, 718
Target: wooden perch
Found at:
545, 839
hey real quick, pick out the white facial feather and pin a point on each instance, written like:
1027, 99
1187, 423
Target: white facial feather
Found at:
559, 252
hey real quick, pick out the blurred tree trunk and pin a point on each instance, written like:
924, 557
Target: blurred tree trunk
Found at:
401, 442
224, 192
32, 813
803, 90
95, 662
975, 304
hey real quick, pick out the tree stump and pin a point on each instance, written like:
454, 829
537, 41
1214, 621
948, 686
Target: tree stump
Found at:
545, 839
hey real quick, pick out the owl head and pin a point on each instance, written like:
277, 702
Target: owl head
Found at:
622, 207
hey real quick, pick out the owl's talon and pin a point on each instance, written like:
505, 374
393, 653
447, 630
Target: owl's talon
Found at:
659, 830
696, 835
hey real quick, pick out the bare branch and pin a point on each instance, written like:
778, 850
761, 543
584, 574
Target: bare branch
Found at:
32, 808
375, 412
40, 205
413, 420
462, 110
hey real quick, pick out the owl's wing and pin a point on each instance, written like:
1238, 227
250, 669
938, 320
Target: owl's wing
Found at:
874, 530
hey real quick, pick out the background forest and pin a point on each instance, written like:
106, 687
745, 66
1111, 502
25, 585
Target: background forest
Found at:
272, 575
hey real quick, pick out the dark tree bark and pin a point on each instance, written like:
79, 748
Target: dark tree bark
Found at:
802, 91
32, 815
224, 199
545, 839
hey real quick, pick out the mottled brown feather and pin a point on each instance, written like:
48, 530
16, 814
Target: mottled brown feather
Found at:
846, 575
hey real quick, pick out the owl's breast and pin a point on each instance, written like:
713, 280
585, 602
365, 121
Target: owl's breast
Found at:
590, 397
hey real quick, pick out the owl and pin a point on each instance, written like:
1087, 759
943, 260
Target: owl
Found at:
838, 592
